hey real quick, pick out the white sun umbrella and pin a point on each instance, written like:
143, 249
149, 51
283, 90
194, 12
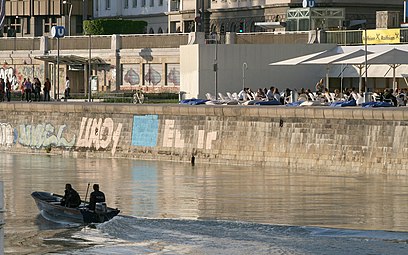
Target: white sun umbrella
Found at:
329, 60
302, 59
296, 60
393, 57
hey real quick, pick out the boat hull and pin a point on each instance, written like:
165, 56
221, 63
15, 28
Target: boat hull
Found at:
51, 205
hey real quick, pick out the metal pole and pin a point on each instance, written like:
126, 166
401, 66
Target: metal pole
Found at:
215, 71
69, 19
202, 29
90, 68
58, 78
365, 59
244, 67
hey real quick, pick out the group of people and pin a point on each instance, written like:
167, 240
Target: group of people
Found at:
322, 94
246, 94
72, 199
31, 90
5, 89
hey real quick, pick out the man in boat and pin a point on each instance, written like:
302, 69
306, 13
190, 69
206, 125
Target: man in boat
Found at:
71, 198
97, 196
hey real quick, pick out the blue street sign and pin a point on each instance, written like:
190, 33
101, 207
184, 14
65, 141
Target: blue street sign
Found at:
58, 31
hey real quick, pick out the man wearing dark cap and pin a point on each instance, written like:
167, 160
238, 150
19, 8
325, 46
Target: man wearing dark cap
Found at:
97, 196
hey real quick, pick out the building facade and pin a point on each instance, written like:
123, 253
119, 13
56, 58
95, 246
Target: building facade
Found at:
151, 11
31, 18
25, 18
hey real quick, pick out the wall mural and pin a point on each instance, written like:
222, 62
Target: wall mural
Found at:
131, 75
17, 74
145, 130
8, 72
173, 74
153, 74
99, 133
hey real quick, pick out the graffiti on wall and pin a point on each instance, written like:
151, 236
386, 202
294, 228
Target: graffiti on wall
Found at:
99, 133
16, 75
43, 135
6, 135
173, 137
145, 130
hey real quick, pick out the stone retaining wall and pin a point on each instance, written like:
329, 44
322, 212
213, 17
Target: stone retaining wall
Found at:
320, 139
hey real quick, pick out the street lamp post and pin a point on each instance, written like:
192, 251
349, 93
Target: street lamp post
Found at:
244, 67
365, 60
69, 16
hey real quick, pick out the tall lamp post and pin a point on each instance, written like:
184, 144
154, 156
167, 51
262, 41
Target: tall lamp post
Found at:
365, 59
244, 67
69, 16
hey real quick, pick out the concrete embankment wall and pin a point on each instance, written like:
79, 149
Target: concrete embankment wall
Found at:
320, 139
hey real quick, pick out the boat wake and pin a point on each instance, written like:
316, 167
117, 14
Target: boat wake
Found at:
134, 235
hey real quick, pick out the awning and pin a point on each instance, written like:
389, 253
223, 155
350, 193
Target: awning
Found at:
270, 25
72, 60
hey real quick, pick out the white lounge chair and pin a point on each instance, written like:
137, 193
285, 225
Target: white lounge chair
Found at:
230, 96
209, 96
221, 96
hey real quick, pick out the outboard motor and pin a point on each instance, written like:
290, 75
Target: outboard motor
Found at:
101, 207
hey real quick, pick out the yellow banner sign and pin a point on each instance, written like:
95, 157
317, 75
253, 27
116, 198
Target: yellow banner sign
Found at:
382, 36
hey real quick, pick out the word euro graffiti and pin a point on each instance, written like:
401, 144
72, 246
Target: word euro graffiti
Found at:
43, 135
6, 135
98, 134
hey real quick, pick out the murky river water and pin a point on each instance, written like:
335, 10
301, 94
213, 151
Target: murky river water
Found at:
179, 209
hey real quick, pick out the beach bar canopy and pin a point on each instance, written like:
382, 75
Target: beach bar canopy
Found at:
393, 57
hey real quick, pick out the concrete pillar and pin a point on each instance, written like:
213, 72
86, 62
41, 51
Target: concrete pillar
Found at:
116, 45
317, 36
44, 44
196, 38
230, 38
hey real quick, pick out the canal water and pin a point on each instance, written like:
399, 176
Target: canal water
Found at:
176, 208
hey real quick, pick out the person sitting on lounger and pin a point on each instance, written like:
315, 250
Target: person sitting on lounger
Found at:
71, 198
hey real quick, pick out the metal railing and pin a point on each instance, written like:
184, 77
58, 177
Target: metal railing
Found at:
355, 37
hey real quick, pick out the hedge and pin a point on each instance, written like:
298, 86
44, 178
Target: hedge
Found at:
114, 26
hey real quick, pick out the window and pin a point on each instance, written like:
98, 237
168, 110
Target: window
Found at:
143, 3
151, 3
126, 4
160, 2
107, 4
49, 23
134, 3
28, 25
